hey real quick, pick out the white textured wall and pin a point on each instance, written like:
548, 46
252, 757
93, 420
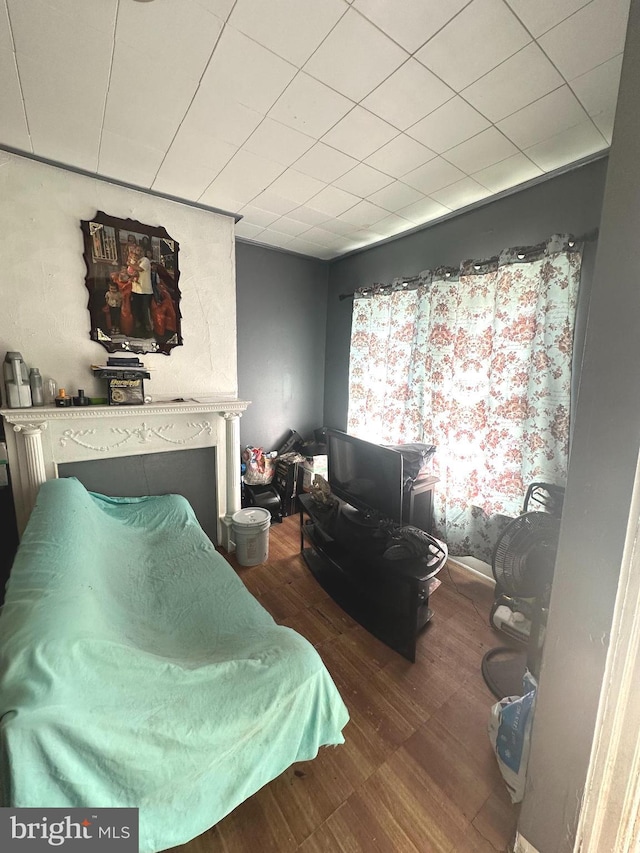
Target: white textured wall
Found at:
43, 297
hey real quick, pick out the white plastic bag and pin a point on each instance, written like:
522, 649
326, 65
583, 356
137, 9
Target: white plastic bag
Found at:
260, 466
510, 734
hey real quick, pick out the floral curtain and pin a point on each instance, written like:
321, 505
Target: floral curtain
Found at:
477, 361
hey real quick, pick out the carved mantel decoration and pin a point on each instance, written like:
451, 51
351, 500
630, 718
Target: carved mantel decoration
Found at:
38, 442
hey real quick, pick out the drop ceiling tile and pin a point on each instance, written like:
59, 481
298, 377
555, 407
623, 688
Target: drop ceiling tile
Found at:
189, 43
336, 226
483, 35
551, 114
126, 103
277, 234
597, 90
14, 123
593, 35
242, 178
540, 16
332, 201
449, 125
245, 229
289, 226
423, 211
364, 214
255, 82
278, 142
325, 163
488, 147
274, 238
308, 215
400, 156
63, 129
396, 196
296, 185
359, 134
215, 115
191, 163
274, 203
221, 8
461, 194
393, 224
414, 23
52, 35
129, 160
306, 247
321, 236
225, 198
339, 245
604, 122
98, 16
309, 106
508, 173
366, 236
65, 143
355, 57
520, 80
362, 180
291, 28
566, 147
407, 95
190, 146
255, 216
434, 175
360, 239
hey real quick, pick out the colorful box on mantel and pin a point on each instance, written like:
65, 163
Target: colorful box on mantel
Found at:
125, 380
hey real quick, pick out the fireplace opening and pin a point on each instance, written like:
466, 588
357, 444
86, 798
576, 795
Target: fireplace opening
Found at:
191, 473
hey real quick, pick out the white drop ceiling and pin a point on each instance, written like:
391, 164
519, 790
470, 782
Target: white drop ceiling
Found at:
327, 125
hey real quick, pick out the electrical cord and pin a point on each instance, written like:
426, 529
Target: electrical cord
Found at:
468, 597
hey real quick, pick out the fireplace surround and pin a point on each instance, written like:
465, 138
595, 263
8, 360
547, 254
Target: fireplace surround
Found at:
40, 439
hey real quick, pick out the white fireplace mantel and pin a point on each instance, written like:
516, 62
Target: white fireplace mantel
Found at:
41, 438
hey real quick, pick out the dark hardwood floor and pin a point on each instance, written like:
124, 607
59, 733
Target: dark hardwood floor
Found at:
416, 773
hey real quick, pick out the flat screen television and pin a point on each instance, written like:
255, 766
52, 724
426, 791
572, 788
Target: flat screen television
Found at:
367, 476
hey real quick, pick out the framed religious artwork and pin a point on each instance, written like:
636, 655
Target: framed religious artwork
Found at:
132, 280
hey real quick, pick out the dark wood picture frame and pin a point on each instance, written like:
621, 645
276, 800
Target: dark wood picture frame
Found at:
132, 280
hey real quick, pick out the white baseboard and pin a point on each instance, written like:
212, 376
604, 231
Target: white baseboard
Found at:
476, 567
521, 845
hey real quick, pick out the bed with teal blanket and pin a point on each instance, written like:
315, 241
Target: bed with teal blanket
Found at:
137, 670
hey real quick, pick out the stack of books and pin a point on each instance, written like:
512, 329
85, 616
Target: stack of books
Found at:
124, 380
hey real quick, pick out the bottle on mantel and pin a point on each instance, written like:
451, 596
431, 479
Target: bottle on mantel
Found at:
37, 392
50, 391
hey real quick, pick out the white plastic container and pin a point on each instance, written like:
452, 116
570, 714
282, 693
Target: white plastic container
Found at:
251, 534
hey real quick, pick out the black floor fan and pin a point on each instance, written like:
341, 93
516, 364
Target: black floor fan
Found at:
523, 564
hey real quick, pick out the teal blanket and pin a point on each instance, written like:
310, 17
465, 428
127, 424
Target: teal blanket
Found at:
136, 669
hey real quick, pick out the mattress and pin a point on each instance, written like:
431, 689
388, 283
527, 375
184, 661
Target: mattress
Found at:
136, 669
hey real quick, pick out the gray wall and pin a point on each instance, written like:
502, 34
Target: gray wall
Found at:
597, 507
282, 312
569, 203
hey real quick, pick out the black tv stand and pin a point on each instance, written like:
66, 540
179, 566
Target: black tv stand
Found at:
356, 517
390, 598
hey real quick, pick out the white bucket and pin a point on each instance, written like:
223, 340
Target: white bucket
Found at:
251, 534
